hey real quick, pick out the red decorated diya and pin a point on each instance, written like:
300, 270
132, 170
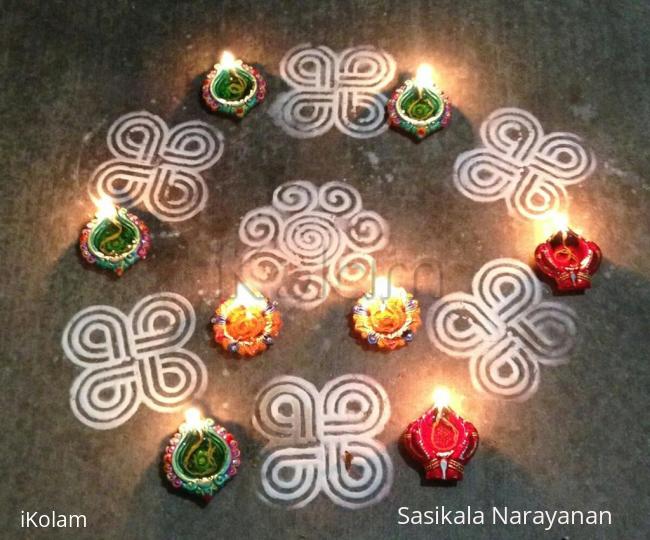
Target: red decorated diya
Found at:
569, 260
441, 440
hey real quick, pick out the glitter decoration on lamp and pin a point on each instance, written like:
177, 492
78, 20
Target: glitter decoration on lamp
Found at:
246, 323
387, 317
568, 259
419, 107
201, 457
232, 87
115, 239
441, 440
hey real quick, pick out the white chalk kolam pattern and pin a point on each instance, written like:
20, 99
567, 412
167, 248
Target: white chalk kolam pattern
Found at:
330, 89
522, 165
156, 166
504, 328
309, 240
310, 434
132, 359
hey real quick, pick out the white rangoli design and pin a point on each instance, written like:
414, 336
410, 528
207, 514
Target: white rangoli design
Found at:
522, 165
132, 359
157, 166
323, 442
504, 328
334, 89
311, 239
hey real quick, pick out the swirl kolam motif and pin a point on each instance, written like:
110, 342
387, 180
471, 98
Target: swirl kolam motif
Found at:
309, 241
504, 328
523, 166
323, 441
330, 89
157, 166
132, 359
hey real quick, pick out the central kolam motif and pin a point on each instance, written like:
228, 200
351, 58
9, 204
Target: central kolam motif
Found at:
309, 240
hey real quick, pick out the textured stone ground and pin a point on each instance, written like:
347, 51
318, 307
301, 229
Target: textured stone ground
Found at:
70, 69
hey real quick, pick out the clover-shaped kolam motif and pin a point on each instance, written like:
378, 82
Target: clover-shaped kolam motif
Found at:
323, 441
132, 359
330, 89
519, 163
157, 166
504, 328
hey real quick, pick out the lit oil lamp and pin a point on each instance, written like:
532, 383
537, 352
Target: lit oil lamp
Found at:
232, 87
387, 317
115, 239
419, 107
246, 323
201, 457
441, 440
568, 259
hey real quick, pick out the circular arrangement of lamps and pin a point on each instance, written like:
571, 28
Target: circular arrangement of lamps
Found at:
202, 456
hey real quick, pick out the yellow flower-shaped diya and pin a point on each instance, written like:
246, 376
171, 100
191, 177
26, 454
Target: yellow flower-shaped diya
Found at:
246, 323
386, 317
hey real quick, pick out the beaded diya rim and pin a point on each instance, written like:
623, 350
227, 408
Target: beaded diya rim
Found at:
240, 107
209, 485
250, 347
418, 128
123, 261
386, 340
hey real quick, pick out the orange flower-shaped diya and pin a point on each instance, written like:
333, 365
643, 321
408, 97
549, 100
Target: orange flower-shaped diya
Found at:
387, 317
246, 323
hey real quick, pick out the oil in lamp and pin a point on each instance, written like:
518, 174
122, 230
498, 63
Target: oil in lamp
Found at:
232, 87
201, 457
387, 317
246, 323
441, 440
419, 107
115, 239
568, 259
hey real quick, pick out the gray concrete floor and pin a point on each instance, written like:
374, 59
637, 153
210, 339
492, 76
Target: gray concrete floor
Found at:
70, 69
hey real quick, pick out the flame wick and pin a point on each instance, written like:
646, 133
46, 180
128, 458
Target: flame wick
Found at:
193, 418
424, 76
105, 209
228, 60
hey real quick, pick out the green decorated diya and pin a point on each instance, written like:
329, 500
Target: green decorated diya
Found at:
115, 239
201, 457
418, 107
232, 87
